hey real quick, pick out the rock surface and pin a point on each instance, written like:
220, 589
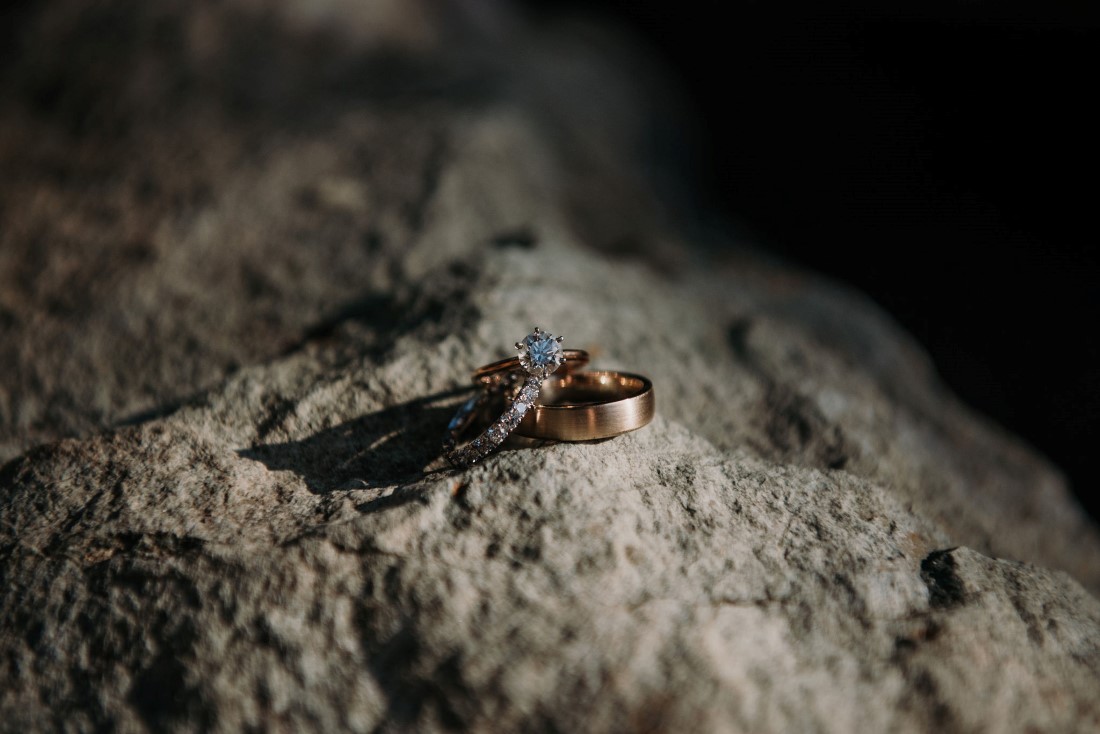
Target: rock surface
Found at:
239, 290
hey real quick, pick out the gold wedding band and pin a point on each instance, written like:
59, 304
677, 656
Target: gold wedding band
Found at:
575, 359
585, 406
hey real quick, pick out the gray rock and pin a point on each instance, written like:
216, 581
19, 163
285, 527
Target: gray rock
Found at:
812, 535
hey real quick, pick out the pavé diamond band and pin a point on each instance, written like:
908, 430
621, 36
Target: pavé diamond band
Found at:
540, 356
585, 406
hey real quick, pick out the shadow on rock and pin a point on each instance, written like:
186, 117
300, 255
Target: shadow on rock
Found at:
393, 446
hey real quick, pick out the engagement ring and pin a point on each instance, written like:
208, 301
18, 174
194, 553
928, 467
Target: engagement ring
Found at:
540, 355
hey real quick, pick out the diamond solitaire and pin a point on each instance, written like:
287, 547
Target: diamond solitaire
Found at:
540, 353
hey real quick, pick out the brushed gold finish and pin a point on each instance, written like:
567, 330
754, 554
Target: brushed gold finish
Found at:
584, 406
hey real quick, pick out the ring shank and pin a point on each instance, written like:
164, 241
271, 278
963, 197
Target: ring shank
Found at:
585, 406
575, 359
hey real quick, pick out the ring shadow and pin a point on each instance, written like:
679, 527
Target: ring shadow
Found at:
390, 447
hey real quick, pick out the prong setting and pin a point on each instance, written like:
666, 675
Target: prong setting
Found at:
540, 353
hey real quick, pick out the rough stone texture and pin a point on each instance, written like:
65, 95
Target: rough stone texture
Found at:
242, 274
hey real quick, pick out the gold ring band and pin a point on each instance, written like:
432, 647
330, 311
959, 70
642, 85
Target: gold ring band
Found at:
575, 359
584, 406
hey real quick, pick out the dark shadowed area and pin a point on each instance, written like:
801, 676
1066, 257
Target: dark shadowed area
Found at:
940, 156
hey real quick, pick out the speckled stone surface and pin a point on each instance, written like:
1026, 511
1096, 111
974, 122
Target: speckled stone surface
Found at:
234, 332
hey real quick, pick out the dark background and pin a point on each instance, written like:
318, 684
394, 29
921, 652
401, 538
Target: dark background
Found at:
940, 157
